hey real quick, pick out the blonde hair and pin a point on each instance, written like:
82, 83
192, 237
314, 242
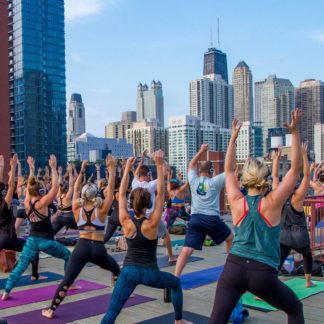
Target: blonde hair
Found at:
89, 194
254, 174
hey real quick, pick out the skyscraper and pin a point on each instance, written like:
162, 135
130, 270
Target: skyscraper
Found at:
257, 100
211, 99
243, 92
76, 118
150, 103
215, 62
310, 98
37, 79
118, 129
129, 116
277, 101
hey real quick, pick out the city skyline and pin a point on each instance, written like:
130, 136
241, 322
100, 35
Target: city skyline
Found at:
107, 76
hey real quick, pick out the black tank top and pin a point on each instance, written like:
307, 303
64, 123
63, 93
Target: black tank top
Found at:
40, 225
7, 220
141, 251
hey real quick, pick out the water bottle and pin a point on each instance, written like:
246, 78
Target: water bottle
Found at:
237, 314
176, 250
289, 264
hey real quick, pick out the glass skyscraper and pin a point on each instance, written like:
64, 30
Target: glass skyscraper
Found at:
215, 62
37, 79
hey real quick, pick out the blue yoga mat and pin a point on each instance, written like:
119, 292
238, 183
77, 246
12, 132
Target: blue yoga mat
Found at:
200, 278
26, 281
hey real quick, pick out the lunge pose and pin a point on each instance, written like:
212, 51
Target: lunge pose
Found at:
140, 264
90, 212
205, 212
41, 236
254, 258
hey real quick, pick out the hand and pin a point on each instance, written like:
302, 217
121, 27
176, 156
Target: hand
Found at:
52, 162
83, 166
39, 170
236, 126
204, 148
69, 168
144, 154
14, 161
59, 170
123, 163
97, 165
276, 155
111, 162
159, 158
130, 163
1, 161
46, 170
31, 163
295, 120
312, 167
304, 148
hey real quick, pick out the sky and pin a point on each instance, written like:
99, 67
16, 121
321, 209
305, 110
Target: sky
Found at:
112, 45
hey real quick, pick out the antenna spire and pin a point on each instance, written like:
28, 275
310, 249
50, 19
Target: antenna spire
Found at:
218, 42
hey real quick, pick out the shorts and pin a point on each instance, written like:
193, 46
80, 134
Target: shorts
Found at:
201, 225
162, 230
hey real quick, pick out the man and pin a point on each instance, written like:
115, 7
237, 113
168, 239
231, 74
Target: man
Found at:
205, 213
142, 179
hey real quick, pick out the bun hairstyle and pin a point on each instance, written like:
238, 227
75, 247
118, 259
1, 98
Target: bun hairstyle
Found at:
89, 194
36, 188
140, 199
254, 174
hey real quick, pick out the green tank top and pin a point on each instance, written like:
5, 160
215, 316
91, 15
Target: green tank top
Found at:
255, 238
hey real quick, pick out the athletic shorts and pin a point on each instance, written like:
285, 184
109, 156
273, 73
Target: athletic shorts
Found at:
199, 226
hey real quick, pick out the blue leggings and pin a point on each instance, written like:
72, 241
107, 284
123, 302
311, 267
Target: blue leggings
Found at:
30, 251
132, 276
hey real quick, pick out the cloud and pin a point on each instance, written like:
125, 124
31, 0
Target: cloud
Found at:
318, 37
76, 9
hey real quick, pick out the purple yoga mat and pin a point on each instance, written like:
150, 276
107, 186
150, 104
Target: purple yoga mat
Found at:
35, 295
69, 312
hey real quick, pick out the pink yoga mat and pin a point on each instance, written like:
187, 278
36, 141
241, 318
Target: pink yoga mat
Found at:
35, 295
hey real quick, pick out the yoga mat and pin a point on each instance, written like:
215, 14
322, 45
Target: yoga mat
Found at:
169, 318
36, 295
26, 281
179, 242
69, 312
297, 285
200, 278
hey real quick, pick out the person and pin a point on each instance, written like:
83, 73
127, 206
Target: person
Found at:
205, 214
142, 179
294, 233
252, 264
41, 236
140, 264
176, 199
90, 212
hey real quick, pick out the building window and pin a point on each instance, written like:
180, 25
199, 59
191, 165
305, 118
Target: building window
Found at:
80, 113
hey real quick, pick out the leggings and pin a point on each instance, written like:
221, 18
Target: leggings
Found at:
85, 251
241, 275
307, 257
174, 213
30, 251
132, 276
65, 219
113, 223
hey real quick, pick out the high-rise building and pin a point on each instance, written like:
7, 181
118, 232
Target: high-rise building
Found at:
5, 116
319, 142
129, 116
76, 117
37, 79
147, 135
118, 129
243, 92
211, 100
277, 101
310, 98
150, 103
215, 62
257, 101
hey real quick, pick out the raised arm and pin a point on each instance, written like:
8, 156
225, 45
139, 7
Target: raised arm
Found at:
71, 181
1, 167
97, 165
233, 192
11, 182
140, 164
31, 164
60, 178
194, 161
275, 157
122, 201
111, 163
77, 186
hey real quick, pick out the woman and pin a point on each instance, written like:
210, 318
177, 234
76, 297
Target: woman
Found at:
294, 233
90, 213
140, 264
176, 206
41, 236
254, 258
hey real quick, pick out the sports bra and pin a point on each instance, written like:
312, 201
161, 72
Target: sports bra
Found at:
96, 223
177, 200
63, 208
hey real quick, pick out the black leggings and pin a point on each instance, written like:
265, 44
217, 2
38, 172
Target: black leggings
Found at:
113, 223
85, 251
66, 220
16, 244
241, 275
307, 257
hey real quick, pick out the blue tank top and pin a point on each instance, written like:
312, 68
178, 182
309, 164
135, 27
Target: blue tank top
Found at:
255, 238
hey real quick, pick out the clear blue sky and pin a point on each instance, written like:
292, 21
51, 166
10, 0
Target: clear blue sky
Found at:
112, 45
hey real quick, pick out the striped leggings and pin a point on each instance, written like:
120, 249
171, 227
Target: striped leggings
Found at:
30, 251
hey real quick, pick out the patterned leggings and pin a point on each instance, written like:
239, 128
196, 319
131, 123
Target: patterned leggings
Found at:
30, 251
132, 276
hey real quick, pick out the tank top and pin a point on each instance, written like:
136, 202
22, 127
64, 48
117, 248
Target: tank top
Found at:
40, 225
96, 223
7, 219
255, 238
294, 232
141, 250
63, 208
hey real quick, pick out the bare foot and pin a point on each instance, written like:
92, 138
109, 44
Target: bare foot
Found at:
5, 296
75, 287
48, 313
183, 321
310, 284
39, 278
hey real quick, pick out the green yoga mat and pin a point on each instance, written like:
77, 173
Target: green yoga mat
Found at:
297, 285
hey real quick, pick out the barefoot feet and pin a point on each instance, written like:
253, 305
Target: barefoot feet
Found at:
310, 284
5, 296
48, 313
38, 278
